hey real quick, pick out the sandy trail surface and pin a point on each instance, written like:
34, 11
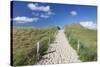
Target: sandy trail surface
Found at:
61, 52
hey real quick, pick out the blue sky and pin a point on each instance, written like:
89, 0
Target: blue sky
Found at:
35, 14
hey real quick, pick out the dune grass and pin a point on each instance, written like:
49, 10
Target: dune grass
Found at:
87, 39
24, 44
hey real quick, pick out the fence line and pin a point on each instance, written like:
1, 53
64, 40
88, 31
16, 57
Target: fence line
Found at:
38, 45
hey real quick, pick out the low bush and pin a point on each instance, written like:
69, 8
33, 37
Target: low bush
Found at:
24, 44
87, 40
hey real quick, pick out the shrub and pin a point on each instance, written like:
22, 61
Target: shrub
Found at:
24, 44
87, 38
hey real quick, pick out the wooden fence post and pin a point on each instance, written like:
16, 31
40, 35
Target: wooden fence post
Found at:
38, 44
78, 46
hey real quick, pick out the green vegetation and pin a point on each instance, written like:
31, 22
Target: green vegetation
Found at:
87, 39
24, 44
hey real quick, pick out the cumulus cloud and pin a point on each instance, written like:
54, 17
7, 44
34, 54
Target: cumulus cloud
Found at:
50, 13
89, 24
24, 19
44, 16
38, 8
73, 13
46, 10
35, 14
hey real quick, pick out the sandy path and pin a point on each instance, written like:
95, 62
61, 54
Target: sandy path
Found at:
63, 52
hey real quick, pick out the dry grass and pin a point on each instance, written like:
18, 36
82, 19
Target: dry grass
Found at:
24, 44
87, 38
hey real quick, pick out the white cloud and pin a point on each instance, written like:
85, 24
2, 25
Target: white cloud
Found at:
50, 13
44, 16
89, 24
46, 11
35, 14
24, 19
73, 13
38, 8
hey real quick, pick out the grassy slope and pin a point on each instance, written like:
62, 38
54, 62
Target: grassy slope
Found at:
87, 38
24, 44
